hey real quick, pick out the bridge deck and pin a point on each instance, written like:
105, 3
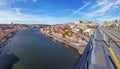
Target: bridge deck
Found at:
100, 54
97, 54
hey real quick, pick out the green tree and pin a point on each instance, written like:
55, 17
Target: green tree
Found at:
81, 31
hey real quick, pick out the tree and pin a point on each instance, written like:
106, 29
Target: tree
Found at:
81, 31
90, 26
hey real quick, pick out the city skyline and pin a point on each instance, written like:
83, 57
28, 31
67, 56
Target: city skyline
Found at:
57, 11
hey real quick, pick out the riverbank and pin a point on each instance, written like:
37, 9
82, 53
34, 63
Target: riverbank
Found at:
79, 47
6, 38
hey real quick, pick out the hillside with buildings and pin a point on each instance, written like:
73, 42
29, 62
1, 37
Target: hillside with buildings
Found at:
113, 24
5, 29
74, 34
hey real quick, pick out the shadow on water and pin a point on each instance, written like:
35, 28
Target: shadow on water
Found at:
7, 60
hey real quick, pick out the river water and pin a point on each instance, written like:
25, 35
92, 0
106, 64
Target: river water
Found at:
30, 49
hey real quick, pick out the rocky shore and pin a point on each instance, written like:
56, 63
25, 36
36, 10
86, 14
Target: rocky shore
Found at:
79, 47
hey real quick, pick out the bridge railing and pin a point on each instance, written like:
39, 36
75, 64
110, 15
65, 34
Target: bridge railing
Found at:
85, 59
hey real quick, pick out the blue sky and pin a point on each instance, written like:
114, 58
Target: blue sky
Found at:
57, 11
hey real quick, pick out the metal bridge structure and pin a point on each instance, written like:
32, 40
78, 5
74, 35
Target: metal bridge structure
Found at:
102, 50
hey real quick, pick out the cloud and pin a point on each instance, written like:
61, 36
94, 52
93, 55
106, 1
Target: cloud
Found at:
34, 0
18, 10
5, 3
2, 3
7, 16
108, 19
99, 3
117, 2
101, 8
100, 11
21, 0
81, 8
26, 0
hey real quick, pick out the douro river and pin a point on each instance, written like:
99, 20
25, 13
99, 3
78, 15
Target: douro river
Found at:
30, 49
